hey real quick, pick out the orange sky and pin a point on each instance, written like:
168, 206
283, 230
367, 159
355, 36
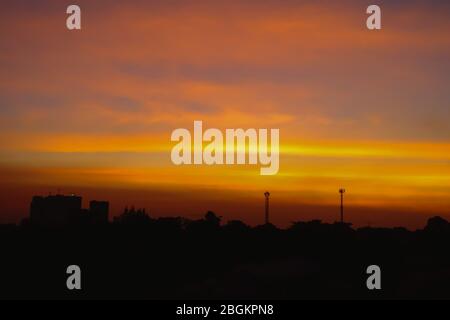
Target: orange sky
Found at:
92, 111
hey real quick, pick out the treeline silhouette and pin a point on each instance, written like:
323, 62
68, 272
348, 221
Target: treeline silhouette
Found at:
139, 257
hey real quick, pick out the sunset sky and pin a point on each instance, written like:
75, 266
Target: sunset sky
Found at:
91, 111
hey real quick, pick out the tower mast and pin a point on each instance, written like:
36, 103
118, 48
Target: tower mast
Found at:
342, 191
266, 195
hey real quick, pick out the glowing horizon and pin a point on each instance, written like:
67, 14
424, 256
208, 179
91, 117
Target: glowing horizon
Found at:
93, 110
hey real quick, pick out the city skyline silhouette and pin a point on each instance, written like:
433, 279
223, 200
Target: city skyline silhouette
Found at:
248, 208
137, 256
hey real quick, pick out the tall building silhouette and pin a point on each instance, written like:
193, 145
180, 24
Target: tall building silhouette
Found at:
57, 210
60, 211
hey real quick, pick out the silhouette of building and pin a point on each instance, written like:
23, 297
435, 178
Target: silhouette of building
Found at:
55, 211
99, 211
61, 210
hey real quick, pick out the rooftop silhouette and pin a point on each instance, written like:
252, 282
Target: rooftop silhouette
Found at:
60, 210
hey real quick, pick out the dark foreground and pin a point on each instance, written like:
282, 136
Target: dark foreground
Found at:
171, 258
